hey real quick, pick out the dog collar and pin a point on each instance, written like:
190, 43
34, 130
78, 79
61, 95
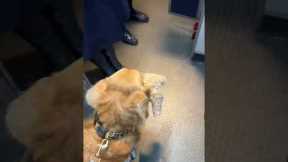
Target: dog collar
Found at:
106, 133
110, 135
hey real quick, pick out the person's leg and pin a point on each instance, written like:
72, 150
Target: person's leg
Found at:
36, 30
102, 61
104, 57
136, 15
111, 55
102, 29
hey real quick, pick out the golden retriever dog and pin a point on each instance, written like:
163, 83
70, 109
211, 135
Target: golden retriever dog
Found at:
121, 104
47, 118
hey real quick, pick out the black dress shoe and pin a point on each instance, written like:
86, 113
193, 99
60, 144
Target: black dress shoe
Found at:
111, 56
129, 38
105, 59
103, 63
104, 66
138, 16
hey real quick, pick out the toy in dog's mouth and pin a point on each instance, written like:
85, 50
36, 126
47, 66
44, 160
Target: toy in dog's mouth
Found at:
121, 103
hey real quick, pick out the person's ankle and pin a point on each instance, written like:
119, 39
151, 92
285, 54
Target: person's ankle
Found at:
133, 11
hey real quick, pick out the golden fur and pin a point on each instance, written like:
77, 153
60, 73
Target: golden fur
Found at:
121, 102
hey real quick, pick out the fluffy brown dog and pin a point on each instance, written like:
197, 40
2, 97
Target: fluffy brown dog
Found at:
121, 102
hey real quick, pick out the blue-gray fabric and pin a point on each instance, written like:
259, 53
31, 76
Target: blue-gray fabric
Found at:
103, 23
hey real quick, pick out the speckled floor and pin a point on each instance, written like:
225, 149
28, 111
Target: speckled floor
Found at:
165, 48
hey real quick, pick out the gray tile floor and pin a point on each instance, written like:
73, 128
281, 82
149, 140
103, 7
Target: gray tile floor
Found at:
165, 48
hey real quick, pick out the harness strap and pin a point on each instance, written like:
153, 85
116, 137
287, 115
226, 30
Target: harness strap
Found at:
105, 133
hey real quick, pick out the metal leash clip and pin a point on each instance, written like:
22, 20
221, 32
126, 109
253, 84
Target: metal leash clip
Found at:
103, 146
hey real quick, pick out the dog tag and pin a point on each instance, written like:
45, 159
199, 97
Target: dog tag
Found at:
157, 101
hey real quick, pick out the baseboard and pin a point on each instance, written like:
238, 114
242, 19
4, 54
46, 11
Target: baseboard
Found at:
198, 57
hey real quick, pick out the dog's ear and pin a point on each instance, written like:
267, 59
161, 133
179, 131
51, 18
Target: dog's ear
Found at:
135, 99
152, 84
126, 79
93, 95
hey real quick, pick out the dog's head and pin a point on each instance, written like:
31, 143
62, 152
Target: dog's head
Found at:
122, 100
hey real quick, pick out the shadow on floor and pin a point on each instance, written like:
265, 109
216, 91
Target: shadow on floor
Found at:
199, 67
154, 155
177, 43
276, 44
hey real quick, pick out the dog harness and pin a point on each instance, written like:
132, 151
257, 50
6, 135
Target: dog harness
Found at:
107, 136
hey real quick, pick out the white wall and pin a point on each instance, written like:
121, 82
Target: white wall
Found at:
200, 42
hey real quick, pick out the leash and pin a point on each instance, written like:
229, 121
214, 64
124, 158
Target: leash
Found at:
103, 146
